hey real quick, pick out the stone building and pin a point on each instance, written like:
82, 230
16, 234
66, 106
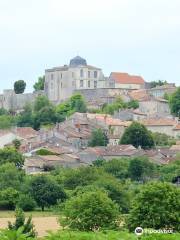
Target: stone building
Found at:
61, 82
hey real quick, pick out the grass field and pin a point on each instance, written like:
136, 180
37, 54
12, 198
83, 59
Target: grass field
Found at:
37, 213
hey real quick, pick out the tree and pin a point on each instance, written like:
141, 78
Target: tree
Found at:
98, 138
157, 83
8, 198
137, 135
175, 103
133, 104
141, 169
26, 202
90, 211
41, 102
7, 121
46, 191
161, 139
3, 111
46, 115
17, 143
27, 226
11, 176
26, 118
157, 206
9, 154
78, 103
39, 85
19, 86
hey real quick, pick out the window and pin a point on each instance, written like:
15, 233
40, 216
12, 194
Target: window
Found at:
81, 83
61, 75
95, 84
51, 85
89, 84
81, 73
72, 75
89, 74
95, 74
52, 76
61, 85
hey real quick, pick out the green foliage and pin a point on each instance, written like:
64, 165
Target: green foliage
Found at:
170, 171
26, 226
26, 202
39, 85
9, 154
98, 138
161, 139
141, 169
44, 152
8, 198
157, 206
117, 167
46, 191
137, 135
19, 86
3, 112
158, 83
78, 103
26, 118
90, 211
108, 235
175, 102
14, 235
7, 121
10, 176
41, 102
133, 104
16, 143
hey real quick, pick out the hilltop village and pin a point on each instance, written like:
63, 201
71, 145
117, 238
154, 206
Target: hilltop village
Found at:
112, 104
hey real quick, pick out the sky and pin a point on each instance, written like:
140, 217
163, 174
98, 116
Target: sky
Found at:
136, 36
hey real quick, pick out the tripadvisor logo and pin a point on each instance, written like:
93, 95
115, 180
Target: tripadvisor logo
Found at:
138, 231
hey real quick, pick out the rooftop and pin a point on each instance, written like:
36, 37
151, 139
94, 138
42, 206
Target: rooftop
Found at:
125, 78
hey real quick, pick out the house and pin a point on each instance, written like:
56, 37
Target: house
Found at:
161, 155
126, 81
161, 125
130, 115
139, 95
155, 106
159, 91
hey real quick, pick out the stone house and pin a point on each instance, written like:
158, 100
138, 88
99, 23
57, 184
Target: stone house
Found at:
130, 115
154, 107
161, 125
159, 91
125, 81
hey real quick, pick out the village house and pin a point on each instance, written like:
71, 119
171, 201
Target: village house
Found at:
126, 81
159, 91
130, 115
162, 125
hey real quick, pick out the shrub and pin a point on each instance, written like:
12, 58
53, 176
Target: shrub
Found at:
90, 211
26, 203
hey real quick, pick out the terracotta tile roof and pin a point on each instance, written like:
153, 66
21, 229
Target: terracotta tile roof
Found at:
159, 122
177, 127
138, 112
26, 132
139, 95
125, 78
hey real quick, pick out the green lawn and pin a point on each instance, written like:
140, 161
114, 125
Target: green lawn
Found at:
36, 213
108, 235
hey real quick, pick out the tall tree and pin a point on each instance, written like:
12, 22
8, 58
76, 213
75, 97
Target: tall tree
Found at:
19, 86
137, 135
46, 191
39, 85
98, 138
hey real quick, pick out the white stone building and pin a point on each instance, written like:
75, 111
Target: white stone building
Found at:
61, 82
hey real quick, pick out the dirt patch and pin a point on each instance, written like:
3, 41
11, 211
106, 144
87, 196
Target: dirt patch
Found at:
42, 224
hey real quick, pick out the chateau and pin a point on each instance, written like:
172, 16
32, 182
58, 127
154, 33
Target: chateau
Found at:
61, 82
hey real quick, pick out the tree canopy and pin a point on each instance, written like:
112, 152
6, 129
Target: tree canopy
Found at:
98, 138
19, 86
39, 85
175, 102
137, 135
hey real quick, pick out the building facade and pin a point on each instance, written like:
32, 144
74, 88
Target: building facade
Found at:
61, 82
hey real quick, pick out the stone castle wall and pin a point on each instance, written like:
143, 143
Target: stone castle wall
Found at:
15, 102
